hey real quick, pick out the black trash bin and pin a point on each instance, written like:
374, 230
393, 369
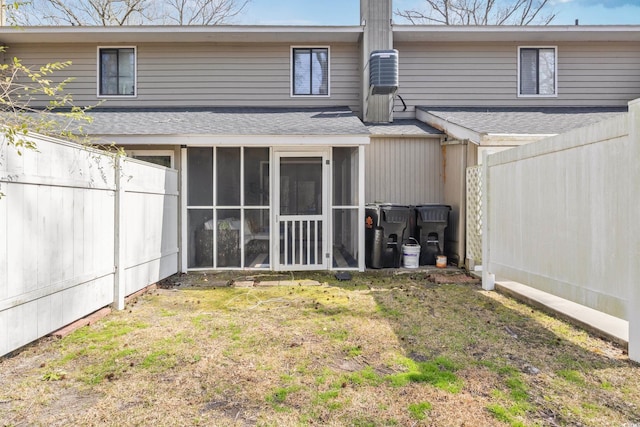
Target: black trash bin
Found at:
387, 226
431, 221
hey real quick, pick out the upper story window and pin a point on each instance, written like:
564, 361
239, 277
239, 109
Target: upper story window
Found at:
117, 71
310, 71
537, 71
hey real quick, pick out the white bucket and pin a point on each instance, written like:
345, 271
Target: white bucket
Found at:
411, 254
441, 261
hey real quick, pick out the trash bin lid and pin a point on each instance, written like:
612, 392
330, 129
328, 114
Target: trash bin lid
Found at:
433, 213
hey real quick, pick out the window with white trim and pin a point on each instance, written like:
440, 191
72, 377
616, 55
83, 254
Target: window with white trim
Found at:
537, 71
116, 71
310, 71
158, 157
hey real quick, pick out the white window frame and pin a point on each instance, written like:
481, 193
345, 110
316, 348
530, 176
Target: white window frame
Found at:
291, 76
555, 71
135, 72
168, 153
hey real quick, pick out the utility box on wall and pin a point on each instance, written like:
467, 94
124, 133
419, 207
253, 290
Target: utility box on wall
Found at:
383, 72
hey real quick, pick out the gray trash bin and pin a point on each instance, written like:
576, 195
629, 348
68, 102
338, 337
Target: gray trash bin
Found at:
387, 226
431, 222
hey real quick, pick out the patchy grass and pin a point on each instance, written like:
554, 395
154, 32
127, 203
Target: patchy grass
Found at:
419, 410
379, 350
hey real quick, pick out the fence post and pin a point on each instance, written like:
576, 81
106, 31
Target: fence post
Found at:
119, 246
183, 213
633, 192
488, 279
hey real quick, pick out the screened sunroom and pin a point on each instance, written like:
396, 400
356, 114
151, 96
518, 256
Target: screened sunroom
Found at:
277, 208
261, 188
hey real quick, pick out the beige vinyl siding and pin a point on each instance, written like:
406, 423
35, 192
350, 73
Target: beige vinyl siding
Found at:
485, 74
404, 170
204, 74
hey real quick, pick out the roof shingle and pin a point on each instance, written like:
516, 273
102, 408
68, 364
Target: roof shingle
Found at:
248, 121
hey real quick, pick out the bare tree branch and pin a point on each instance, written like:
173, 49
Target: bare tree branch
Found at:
20, 85
480, 12
202, 12
125, 12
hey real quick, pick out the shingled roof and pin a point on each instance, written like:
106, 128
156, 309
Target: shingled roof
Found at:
340, 121
476, 123
403, 127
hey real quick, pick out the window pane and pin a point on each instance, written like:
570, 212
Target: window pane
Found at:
320, 72
117, 71
528, 71
200, 177
200, 240
228, 238
228, 176
126, 71
311, 71
158, 160
302, 72
345, 238
256, 238
108, 72
256, 177
547, 71
345, 176
301, 186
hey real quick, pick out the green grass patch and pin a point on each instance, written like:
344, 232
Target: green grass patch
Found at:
389, 312
199, 321
54, 375
278, 397
506, 415
337, 334
167, 313
606, 385
354, 351
323, 376
366, 376
438, 372
517, 389
159, 361
419, 411
325, 396
102, 332
110, 368
572, 376
515, 402
235, 331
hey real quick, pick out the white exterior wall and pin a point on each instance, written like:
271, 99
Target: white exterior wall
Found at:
58, 244
560, 215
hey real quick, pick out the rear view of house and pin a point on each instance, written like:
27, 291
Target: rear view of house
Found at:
281, 138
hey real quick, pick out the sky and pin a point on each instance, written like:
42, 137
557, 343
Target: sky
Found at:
346, 12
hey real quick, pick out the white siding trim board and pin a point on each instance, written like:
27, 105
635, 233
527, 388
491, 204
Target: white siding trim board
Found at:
239, 141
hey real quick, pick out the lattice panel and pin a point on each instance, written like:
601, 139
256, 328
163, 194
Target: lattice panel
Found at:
474, 214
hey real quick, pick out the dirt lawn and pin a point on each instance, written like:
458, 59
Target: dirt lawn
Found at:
377, 350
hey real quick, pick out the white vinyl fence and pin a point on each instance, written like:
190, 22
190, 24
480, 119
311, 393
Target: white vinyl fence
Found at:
78, 233
561, 215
